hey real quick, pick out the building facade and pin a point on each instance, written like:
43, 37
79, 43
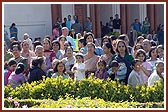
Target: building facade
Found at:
37, 19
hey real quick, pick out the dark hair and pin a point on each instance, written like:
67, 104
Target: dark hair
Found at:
61, 38
134, 62
121, 41
103, 62
139, 38
56, 69
38, 61
11, 62
152, 49
87, 34
17, 46
48, 39
15, 43
160, 46
113, 37
106, 37
68, 43
20, 68
68, 47
13, 24
36, 43
114, 64
56, 42
135, 46
153, 43
82, 40
141, 51
109, 46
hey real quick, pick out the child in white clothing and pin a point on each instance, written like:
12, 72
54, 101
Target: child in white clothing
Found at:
79, 67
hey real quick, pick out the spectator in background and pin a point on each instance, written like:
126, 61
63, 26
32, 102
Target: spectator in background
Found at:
105, 30
117, 24
132, 35
6, 38
64, 23
58, 25
160, 34
146, 26
137, 25
7, 55
160, 52
110, 24
69, 23
88, 25
146, 46
26, 37
77, 26
13, 31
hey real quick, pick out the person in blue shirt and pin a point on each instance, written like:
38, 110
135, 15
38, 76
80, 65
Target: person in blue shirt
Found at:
13, 31
88, 25
137, 25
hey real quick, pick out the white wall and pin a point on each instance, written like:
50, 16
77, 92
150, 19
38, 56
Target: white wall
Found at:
34, 19
105, 13
67, 9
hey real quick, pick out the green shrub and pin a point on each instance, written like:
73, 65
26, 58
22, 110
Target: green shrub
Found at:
86, 102
53, 88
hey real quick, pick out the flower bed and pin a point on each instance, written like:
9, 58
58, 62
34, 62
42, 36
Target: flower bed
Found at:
53, 88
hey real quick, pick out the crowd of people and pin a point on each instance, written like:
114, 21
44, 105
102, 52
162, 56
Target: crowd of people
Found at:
133, 62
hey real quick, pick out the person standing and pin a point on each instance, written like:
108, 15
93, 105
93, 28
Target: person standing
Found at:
146, 26
6, 38
117, 24
88, 25
110, 24
161, 35
13, 31
137, 25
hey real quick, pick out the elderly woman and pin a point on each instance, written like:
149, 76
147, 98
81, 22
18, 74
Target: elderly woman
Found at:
90, 59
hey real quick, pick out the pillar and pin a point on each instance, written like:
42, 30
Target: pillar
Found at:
150, 14
56, 12
92, 16
123, 18
156, 17
97, 20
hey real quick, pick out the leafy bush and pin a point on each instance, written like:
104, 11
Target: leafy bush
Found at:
53, 88
85, 102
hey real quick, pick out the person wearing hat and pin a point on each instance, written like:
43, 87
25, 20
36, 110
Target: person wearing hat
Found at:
79, 67
17, 77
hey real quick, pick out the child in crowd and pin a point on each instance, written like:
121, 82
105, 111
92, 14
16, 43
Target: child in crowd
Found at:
157, 74
160, 52
101, 72
135, 77
11, 65
17, 78
79, 67
114, 68
59, 70
50, 72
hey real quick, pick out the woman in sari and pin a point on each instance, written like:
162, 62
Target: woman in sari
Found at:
90, 59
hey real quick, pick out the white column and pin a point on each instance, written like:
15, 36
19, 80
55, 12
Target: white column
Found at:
142, 12
115, 9
88, 10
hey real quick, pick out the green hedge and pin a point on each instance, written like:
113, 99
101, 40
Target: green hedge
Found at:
85, 102
53, 88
